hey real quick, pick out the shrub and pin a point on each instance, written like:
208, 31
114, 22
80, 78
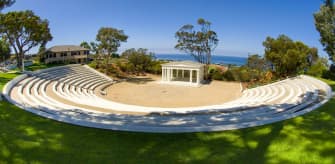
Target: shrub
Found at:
328, 74
244, 75
317, 69
155, 67
216, 75
228, 76
216, 72
140, 59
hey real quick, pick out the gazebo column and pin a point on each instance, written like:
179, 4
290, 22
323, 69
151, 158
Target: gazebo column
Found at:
169, 74
177, 73
172, 76
164, 72
182, 73
191, 76
198, 76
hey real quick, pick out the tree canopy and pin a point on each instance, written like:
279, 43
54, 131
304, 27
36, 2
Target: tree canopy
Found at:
314, 56
4, 50
199, 43
256, 62
139, 59
109, 40
288, 57
24, 30
6, 3
325, 24
84, 44
94, 47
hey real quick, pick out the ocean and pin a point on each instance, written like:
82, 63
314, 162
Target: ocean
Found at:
216, 59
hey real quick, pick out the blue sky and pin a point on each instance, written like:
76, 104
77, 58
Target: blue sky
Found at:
242, 25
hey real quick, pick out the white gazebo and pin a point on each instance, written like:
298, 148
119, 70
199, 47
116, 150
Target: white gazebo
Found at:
183, 72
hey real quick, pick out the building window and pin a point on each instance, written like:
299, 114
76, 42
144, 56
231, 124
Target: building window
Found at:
54, 55
62, 54
73, 53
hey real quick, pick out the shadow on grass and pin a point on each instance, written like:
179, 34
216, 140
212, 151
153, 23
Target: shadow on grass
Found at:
25, 137
28, 138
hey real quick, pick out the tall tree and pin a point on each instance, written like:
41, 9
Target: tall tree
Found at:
139, 59
42, 51
313, 56
329, 3
4, 50
24, 30
288, 57
198, 43
85, 44
109, 40
325, 24
94, 48
6, 3
256, 62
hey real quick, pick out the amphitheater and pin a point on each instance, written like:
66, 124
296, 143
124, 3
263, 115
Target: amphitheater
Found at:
39, 92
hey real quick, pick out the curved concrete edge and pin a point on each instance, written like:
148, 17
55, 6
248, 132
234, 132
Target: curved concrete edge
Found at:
99, 73
8, 86
241, 87
329, 89
84, 123
177, 129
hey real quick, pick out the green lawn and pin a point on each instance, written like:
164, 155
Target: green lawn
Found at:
5, 77
26, 138
38, 66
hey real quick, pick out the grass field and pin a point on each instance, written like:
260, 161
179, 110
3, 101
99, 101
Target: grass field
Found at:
38, 66
27, 138
5, 77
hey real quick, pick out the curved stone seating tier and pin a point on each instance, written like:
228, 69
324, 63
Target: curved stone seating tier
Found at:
68, 94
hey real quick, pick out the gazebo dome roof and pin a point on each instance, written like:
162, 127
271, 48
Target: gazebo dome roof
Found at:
183, 64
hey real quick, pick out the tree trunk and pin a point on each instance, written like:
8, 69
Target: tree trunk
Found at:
22, 61
206, 71
18, 63
107, 62
21, 58
208, 62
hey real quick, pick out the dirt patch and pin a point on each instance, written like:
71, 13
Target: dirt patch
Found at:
148, 91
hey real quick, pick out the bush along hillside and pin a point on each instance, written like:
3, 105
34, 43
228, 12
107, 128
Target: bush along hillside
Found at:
130, 62
283, 58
